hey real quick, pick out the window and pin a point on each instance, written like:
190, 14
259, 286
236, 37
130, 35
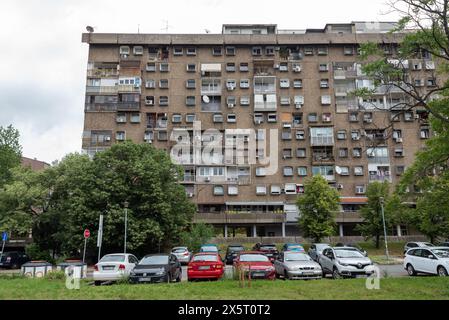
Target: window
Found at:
322, 51
360, 189
353, 117
260, 134
150, 84
230, 51
269, 51
326, 117
217, 51
190, 101
121, 118
162, 136
218, 190
297, 119
430, 65
190, 117
348, 51
120, 135
285, 101
233, 190
191, 67
244, 67
325, 100
163, 83
368, 117
261, 190
148, 136
284, 83
300, 135
124, 50
190, 84
244, 83
296, 67
341, 134
344, 171
178, 51
408, 116
258, 118
302, 171
163, 101
312, 117
308, 51
424, 133
283, 67
286, 134
151, 67
230, 67
260, 172
164, 67
275, 190
287, 153
323, 67
191, 51
343, 152
301, 153
288, 171
419, 83
135, 118
244, 101
272, 117
358, 170
149, 100
230, 100
357, 152
290, 188
230, 84
257, 51
355, 135
218, 118
400, 170
297, 83
325, 171
431, 82
324, 83
398, 152
231, 118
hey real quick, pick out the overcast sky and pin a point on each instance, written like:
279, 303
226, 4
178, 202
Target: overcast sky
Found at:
43, 62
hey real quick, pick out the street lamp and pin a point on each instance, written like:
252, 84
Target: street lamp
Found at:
381, 199
126, 203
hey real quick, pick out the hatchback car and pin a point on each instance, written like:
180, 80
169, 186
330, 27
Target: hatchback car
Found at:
232, 252
269, 249
113, 267
182, 253
352, 245
13, 259
205, 266
344, 262
297, 265
410, 245
316, 250
430, 260
292, 247
159, 267
209, 248
254, 264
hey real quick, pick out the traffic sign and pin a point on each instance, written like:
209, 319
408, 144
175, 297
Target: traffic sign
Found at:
86, 233
4, 236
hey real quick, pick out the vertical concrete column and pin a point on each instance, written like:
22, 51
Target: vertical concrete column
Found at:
340, 229
254, 231
398, 228
225, 230
283, 229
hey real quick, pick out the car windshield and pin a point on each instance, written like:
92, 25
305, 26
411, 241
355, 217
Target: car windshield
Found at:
321, 246
348, 253
296, 257
253, 258
154, 260
441, 253
113, 258
179, 250
205, 257
267, 247
209, 249
294, 246
235, 249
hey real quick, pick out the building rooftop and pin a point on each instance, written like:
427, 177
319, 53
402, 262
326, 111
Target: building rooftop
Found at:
34, 164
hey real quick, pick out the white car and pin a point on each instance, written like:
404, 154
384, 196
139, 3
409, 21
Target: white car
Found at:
113, 267
430, 260
182, 253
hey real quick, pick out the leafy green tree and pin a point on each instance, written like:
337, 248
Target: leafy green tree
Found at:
10, 152
317, 208
196, 235
372, 214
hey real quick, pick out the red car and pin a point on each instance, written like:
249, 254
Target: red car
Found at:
256, 263
206, 265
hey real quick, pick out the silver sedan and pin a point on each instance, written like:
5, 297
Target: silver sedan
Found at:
297, 265
182, 253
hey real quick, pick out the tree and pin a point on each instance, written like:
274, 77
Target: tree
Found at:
10, 152
72, 195
317, 208
196, 235
371, 213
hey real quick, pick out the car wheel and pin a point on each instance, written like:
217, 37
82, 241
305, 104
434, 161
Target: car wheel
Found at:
97, 283
410, 270
178, 279
336, 274
278, 276
442, 272
286, 277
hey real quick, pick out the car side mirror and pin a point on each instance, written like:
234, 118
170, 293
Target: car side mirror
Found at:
431, 257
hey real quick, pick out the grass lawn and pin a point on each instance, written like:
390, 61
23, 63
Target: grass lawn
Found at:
353, 289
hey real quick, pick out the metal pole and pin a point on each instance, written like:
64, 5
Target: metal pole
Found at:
385, 227
84, 253
3, 248
126, 224
100, 236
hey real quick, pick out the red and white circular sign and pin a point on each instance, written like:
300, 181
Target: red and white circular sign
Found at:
86, 233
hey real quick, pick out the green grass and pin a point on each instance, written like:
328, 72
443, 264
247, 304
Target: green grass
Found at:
350, 289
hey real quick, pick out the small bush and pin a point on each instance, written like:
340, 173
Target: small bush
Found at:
55, 275
35, 253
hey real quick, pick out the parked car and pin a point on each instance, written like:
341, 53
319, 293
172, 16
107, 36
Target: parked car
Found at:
209, 248
113, 267
13, 259
410, 245
268, 249
182, 253
352, 245
205, 266
316, 250
256, 263
443, 244
430, 260
159, 267
297, 265
292, 247
232, 252
345, 262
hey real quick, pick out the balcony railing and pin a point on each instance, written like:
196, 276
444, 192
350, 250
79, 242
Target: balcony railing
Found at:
322, 141
243, 217
344, 74
128, 106
96, 107
211, 90
102, 73
379, 178
101, 89
128, 88
379, 160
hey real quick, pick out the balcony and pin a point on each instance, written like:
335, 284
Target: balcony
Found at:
100, 107
102, 73
101, 89
211, 86
128, 88
240, 217
348, 216
380, 178
128, 106
322, 141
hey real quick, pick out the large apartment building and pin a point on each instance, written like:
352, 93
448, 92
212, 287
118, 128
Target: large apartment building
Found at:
279, 100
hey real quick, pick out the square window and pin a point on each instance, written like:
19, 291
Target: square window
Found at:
135, 118
272, 117
178, 51
163, 101
190, 84
176, 118
269, 51
302, 171
358, 171
233, 190
218, 118
288, 171
150, 84
343, 152
287, 153
344, 171
230, 67
283, 67
260, 172
285, 101
322, 51
308, 51
190, 101
121, 118
300, 135
244, 67
323, 67
301, 153
359, 189
232, 118
191, 51
284, 83
190, 117
151, 67
191, 67
164, 67
244, 83
261, 190
257, 51
275, 190
341, 134
218, 190
217, 51
357, 152
120, 135
326, 100
230, 51
163, 83
244, 101
400, 170
324, 83
297, 83
149, 100
312, 117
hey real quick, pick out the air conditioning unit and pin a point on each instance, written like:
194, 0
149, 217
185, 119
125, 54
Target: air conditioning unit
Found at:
257, 121
276, 66
230, 87
124, 56
356, 138
150, 141
339, 186
399, 140
190, 195
417, 116
297, 69
231, 105
207, 179
107, 138
368, 120
298, 105
287, 125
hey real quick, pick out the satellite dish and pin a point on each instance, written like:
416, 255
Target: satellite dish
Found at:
90, 29
338, 170
206, 99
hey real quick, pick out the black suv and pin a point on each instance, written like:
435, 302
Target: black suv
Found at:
13, 259
232, 251
268, 249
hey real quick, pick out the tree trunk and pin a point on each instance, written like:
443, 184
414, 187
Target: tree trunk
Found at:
377, 241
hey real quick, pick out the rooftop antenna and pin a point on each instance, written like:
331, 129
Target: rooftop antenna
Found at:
207, 30
90, 29
167, 26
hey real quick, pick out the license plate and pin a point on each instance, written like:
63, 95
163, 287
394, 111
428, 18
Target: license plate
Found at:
308, 273
108, 268
204, 268
360, 276
258, 274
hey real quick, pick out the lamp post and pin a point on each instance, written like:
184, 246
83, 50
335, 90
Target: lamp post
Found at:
126, 203
381, 199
